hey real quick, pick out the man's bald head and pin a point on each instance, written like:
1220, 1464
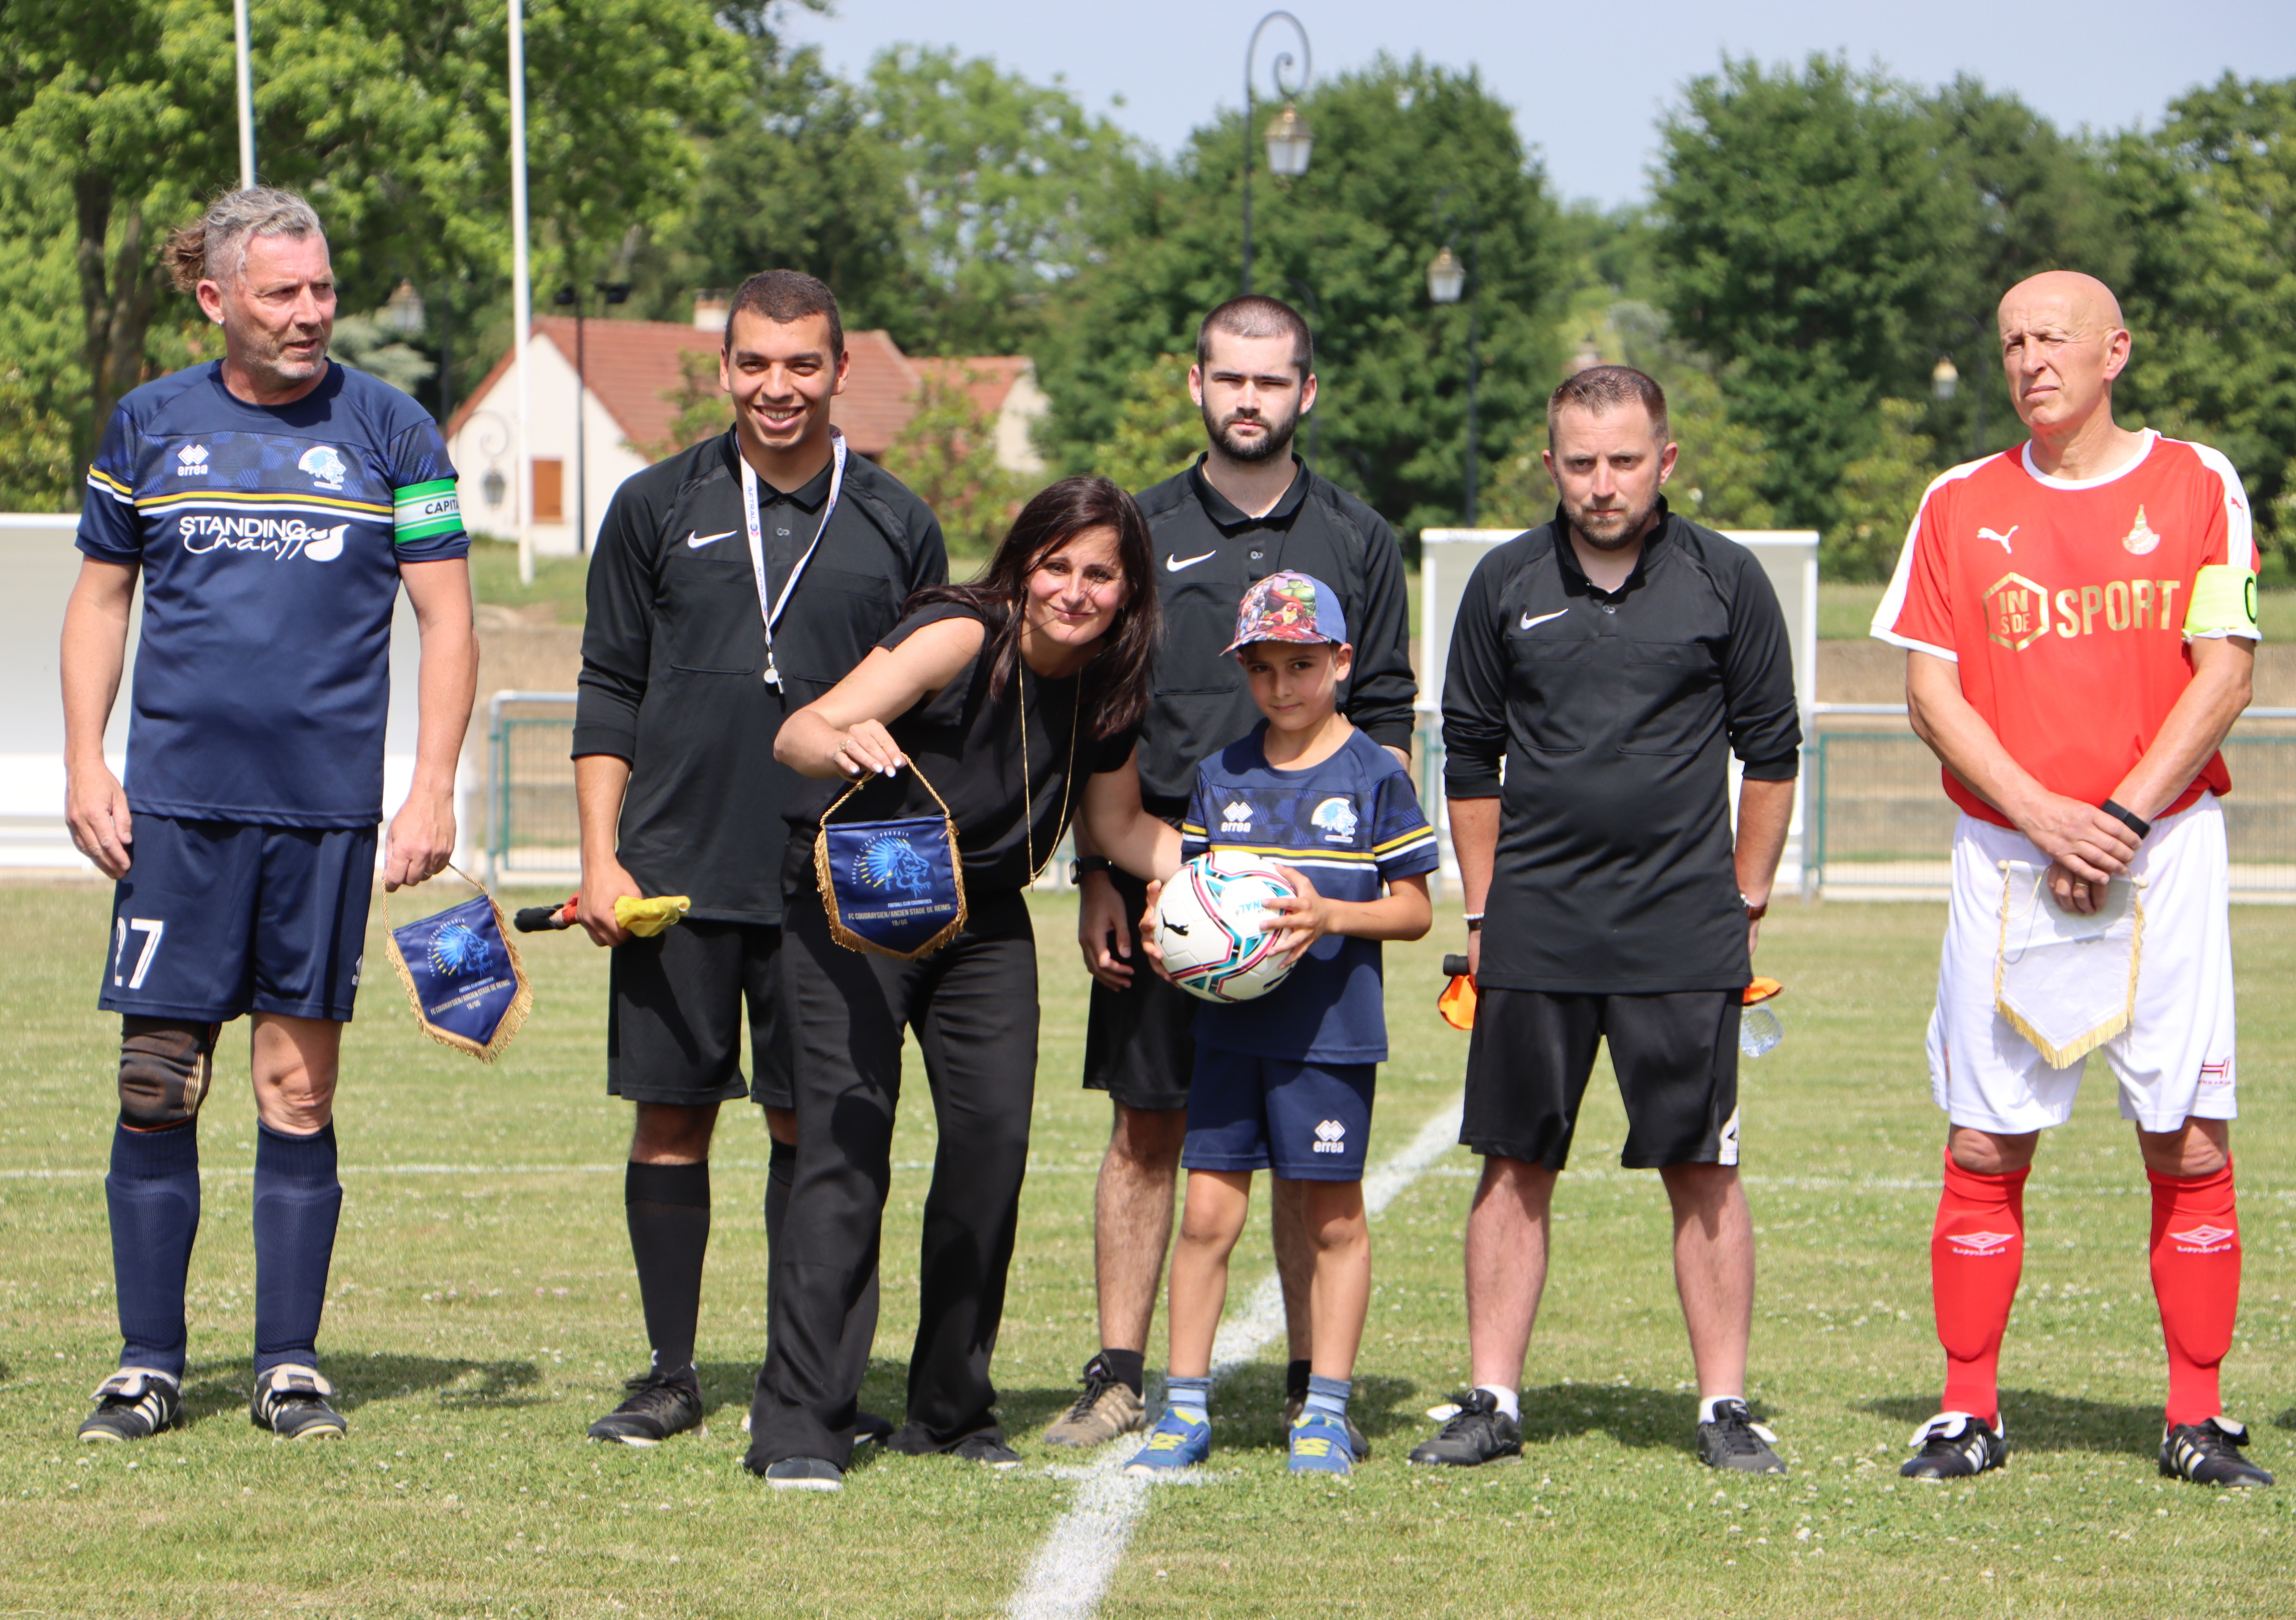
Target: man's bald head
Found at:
2081, 300
2062, 345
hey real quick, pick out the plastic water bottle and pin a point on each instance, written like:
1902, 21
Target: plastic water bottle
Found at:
1758, 1030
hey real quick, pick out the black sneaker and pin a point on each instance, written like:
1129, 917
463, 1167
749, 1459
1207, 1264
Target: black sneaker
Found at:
805, 1474
1480, 1433
2205, 1453
134, 1403
658, 1405
291, 1403
1293, 1405
987, 1448
1733, 1440
1955, 1446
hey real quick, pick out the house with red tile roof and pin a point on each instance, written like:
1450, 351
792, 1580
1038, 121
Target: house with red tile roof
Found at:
619, 417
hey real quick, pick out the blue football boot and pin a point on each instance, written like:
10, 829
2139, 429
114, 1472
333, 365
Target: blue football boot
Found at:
1180, 1440
1320, 1444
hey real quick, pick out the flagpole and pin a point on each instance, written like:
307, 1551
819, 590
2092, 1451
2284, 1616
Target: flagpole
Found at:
521, 290
246, 97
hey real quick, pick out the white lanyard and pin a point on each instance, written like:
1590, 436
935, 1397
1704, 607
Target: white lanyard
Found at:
769, 607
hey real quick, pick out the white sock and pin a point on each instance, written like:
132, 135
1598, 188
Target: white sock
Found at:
1509, 1401
1706, 1407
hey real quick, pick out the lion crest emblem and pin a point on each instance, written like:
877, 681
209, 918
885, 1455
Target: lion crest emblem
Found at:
890, 862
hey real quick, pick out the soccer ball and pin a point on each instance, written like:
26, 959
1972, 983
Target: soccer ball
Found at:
1208, 922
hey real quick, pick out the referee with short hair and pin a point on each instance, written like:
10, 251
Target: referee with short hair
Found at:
1613, 660
732, 584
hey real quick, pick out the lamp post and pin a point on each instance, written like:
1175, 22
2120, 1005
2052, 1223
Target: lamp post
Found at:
1316, 309
243, 72
1290, 140
612, 292
1447, 277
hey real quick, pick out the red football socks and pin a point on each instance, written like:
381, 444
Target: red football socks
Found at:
2196, 1278
1977, 1249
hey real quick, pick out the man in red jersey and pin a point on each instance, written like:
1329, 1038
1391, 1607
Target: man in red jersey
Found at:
2079, 621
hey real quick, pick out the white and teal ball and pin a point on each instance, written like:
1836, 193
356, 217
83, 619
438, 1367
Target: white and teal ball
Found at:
1210, 926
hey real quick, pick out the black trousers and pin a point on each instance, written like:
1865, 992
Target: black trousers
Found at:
973, 1006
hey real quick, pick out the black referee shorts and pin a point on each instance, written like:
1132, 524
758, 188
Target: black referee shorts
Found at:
674, 1016
1676, 1055
1140, 1043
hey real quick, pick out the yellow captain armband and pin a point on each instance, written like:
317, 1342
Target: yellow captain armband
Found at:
2223, 602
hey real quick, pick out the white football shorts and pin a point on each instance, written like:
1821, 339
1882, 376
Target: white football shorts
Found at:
2174, 1061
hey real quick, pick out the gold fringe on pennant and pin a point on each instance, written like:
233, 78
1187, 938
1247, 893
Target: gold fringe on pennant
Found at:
2080, 1046
513, 1018
827, 883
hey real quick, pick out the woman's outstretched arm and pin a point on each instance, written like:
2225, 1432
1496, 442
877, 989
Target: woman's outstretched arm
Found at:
1123, 831
843, 732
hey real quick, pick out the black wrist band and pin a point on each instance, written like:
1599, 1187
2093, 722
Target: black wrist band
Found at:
2126, 817
1086, 865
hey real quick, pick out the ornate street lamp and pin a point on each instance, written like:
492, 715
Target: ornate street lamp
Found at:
1945, 380
403, 310
1290, 142
1447, 283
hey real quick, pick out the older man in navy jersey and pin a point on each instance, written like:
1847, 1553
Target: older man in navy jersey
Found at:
273, 503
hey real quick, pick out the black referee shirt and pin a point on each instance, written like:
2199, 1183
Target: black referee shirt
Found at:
1207, 553
674, 657
1612, 713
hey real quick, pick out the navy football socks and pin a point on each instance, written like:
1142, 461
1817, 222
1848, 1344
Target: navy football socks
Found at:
298, 1201
153, 1196
669, 1211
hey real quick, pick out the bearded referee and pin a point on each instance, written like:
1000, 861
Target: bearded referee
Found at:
273, 503
732, 584
1249, 507
2079, 617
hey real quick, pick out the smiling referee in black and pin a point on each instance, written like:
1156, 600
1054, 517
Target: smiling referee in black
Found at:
732, 584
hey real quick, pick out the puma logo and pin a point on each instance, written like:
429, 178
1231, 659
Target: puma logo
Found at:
1987, 534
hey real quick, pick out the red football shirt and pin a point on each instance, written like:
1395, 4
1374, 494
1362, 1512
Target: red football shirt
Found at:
2063, 602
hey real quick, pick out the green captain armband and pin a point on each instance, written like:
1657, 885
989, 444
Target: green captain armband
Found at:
2223, 602
424, 512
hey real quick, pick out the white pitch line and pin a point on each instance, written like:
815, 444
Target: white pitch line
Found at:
1072, 1569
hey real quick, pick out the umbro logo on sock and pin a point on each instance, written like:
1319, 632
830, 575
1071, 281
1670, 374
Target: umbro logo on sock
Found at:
2203, 1239
1980, 1243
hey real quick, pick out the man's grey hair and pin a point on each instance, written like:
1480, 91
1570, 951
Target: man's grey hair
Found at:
213, 247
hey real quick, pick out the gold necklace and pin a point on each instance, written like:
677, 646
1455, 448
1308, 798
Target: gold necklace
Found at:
1028, 792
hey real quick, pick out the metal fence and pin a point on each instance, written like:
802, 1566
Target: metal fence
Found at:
533, 834
1879, 824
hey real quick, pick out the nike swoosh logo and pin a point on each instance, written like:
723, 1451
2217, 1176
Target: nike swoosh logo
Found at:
698, 541
1173, 565
1528, 621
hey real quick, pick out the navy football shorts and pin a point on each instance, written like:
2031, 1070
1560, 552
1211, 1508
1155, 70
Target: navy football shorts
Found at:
215, 919
1309, 1122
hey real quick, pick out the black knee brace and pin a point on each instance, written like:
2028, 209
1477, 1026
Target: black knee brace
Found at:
164, 1067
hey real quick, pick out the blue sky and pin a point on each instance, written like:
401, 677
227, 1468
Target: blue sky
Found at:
1588, 82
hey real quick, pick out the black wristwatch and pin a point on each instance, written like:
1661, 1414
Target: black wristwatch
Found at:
1084, 865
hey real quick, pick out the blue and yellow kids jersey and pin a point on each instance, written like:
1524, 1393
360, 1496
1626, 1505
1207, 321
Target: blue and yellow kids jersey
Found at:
269, 542
1352, 825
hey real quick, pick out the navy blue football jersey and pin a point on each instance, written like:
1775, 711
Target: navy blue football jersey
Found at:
269, 542
1352, 825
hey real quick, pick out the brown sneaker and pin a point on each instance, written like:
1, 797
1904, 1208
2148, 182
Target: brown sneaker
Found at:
1106, 1409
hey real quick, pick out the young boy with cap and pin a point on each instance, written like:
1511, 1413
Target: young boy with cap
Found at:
1284, 1083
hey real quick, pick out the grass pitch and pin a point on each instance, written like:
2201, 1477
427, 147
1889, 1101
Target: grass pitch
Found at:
483, 1313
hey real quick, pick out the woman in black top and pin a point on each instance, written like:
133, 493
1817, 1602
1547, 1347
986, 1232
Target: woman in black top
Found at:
1018, 698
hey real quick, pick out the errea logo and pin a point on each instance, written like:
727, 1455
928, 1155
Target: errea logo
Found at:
1238, 816
1330, 1137
1980, 1244
192, 462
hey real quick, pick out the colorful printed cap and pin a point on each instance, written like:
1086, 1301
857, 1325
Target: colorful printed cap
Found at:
1289, 607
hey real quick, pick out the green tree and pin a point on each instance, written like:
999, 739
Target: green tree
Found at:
1807, 229
947, 452
1012, 188
2209, 208
800, 180
36, 459
1880, 492
1159, 429
1348, 242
